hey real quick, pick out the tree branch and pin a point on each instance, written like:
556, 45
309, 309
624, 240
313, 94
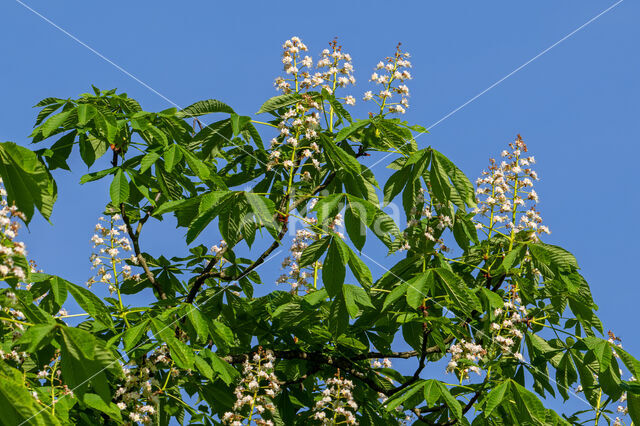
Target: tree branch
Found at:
206, 272
136, 248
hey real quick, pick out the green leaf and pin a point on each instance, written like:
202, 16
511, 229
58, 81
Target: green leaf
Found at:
79, 367
225, 371
279, 101
354, 296
528, 405
356, 230
461, 184
26, 180
395, 294
418, 288
217, 201
148, 160
314, 251
53, 123
333, 268
360, 270
494, 398
263, 209
204, 107
345, 132
238, 123
328, 207
96, 175
439, 182
196, 165
96, 402
203, 367
451, 402
172, 157
566, 375
34, 335
629, 361
85, 113
431, 392
339, 157
91, 304
181, 354
18, 406
601, 349
133, 335
457, 290
395, 184
398, 398
119, 188
633, 404
199, 322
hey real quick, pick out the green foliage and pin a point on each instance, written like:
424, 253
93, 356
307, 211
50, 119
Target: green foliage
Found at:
204, 333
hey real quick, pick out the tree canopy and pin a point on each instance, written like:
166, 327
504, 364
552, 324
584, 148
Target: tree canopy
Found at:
474, 293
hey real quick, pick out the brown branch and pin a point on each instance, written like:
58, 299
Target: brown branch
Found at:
418, 412
200, 280
421, 364
206, 272
315, 191
136, 248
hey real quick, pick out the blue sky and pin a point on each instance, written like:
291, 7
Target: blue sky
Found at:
576, 106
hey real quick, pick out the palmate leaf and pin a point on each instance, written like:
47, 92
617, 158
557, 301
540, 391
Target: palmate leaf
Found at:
26, 180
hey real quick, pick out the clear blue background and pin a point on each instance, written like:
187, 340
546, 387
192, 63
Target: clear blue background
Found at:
576, 106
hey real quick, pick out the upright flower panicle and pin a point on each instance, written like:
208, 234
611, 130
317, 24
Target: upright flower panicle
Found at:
255, 392
111, 244
10, 249
336, 404
298, 277
506, 195
391, 74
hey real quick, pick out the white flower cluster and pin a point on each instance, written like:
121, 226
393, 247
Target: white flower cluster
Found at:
293, 64
49, 373
8, 306
336, 404
296, 277
297, 127
508, 198
337, 71
254, 393
391, 76
108, 260
509, 322
137, 395
218, 251
386, 363
9, 248
464, 358
334, 69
